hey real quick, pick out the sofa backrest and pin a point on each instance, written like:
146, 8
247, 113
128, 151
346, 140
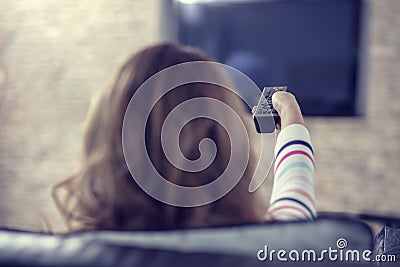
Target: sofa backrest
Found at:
245, 245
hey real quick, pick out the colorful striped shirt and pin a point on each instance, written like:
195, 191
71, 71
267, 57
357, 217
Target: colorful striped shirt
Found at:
293, 190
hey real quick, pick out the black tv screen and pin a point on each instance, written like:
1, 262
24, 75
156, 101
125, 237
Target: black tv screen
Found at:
312, 46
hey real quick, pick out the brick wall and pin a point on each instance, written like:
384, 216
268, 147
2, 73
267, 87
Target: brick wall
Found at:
357, 158
55, 55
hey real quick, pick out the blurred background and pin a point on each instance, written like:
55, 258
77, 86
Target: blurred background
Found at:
340, 57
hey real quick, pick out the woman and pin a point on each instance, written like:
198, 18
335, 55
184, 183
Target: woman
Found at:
104, 195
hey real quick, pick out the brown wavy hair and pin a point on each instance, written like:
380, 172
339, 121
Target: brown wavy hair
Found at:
102, 193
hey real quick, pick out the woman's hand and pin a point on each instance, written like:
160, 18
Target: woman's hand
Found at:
288, 109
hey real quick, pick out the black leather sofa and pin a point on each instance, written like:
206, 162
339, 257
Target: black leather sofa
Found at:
222, 246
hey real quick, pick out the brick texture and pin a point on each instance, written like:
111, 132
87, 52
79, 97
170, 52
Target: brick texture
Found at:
54, 56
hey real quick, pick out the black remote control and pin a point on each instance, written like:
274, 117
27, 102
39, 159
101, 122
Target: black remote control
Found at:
265, 111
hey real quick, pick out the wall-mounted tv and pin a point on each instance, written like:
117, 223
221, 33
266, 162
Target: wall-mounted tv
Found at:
312, 46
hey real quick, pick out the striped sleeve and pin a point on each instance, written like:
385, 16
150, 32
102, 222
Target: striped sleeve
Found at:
293, 190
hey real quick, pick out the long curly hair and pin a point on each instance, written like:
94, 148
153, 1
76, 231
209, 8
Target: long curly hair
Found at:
102, 193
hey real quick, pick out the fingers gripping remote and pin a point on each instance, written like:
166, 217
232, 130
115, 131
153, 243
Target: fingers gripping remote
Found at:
266, 118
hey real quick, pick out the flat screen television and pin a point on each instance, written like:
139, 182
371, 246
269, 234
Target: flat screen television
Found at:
312, 46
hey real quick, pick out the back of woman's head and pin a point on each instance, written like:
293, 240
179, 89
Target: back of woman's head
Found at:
103, 193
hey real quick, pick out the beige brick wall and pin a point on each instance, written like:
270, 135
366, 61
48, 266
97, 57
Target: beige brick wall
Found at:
358, 158
55, 55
